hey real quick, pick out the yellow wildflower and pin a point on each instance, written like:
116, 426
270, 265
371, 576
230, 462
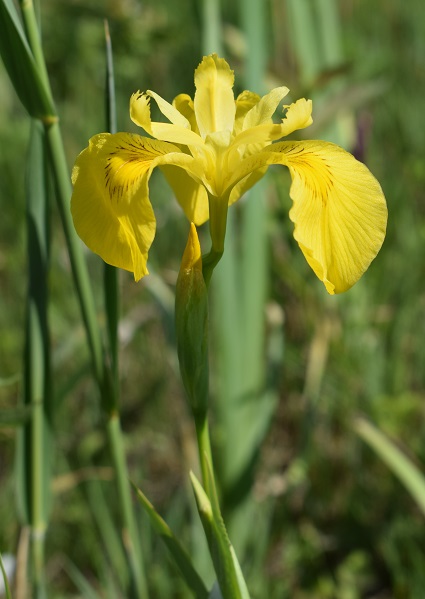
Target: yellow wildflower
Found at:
212, 150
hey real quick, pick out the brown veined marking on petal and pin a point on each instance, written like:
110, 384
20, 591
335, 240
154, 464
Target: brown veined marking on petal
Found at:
137, 154
321, 188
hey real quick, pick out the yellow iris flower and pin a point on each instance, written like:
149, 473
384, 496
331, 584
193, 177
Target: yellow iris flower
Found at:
212, 150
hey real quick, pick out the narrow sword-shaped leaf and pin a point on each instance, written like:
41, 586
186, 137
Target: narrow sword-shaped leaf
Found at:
177, 552
21, 66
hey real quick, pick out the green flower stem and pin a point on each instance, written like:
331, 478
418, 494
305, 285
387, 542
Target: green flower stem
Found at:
129, 530
218, 209
209, 262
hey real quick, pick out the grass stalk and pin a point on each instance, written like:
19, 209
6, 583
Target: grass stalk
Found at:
304, 40
225, 309
240, 302
129, 529
63, 193
103, 375
33, 35
34, 453
35, 466
400, 465
254, 255
212, 27
78, 265
110, 273
115, 434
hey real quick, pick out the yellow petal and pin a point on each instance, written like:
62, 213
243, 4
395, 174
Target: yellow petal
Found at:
245, 184
168, 110
110, 203
192, 258
214, 101
339, 210
190, 194
263, 111
176, 132
244, 102
298, 116
260, 112
184, 104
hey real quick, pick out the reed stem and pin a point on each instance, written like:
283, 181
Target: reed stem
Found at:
130, 531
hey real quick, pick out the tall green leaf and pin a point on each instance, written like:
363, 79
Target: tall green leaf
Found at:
21, 66
177, 552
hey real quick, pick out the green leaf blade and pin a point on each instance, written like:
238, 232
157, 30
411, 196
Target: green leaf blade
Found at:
21, 67
229, 575
179, 555
403, 468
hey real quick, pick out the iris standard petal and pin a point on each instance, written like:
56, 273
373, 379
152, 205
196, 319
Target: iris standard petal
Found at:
179, 133
253, 131
263, 111
244, 102
298, 116
110, 203
339, 209
214, 100
184, 104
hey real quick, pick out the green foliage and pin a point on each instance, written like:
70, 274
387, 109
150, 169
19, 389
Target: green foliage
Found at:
21, 64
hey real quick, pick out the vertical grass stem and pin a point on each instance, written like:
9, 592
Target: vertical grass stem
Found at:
112, 303
129, 529
34, 441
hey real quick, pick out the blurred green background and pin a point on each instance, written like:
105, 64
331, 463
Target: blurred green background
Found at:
331, 520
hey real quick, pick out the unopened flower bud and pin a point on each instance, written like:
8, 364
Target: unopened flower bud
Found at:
192, 324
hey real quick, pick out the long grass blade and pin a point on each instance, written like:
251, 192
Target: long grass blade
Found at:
177, 552
115, 434
110, 277
40, 87
83, 585
403, 468
6, 586
21, 65
108, 531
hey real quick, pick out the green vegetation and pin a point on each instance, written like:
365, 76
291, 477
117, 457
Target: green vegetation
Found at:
312, 511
